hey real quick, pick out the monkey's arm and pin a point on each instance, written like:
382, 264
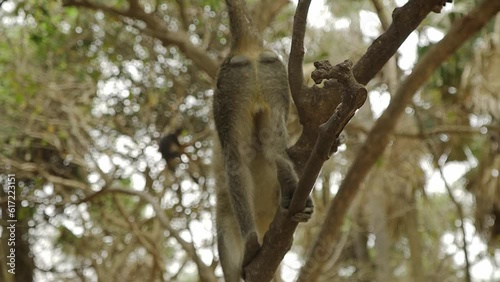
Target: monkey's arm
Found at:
289, 182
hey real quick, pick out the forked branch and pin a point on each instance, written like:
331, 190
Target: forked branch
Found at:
378, 138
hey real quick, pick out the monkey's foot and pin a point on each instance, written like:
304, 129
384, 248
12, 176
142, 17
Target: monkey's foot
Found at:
302, 216
306, 214
252, 247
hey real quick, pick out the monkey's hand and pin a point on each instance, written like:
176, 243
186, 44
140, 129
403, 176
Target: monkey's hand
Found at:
252, 247
302, 216
289, 182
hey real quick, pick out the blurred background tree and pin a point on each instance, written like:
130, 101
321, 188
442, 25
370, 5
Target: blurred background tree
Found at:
90, 87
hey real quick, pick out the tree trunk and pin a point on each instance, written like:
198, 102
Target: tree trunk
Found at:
417, 268
382, 238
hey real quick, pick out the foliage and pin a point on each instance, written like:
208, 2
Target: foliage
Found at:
88, 91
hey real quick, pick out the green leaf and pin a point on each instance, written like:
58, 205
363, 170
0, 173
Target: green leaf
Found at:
71, 13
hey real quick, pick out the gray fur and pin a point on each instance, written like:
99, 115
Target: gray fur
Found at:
250, 110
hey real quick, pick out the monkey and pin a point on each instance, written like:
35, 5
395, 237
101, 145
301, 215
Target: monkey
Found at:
170, 148
253, 169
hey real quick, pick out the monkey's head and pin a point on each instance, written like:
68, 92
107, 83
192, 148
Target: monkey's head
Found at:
170, 147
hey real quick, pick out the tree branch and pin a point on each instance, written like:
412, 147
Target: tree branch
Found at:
378, 137
314, 104
391, 69
279, 237
204, 271
37, 169
405, 21
183, 13
447, 129
353, 97
265, 11
158, 28
382, 15
295, 70
148, 244
460, 211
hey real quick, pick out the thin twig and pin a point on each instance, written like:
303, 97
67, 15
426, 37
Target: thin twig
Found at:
295, 70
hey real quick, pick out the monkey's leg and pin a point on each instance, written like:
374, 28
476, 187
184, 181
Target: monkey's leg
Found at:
230, 246
273, 136
240, 188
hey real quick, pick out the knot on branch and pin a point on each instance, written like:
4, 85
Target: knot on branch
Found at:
324, 70
354, 96
352, 91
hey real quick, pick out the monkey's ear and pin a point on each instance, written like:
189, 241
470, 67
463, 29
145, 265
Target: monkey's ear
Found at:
268, 57
239, 60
